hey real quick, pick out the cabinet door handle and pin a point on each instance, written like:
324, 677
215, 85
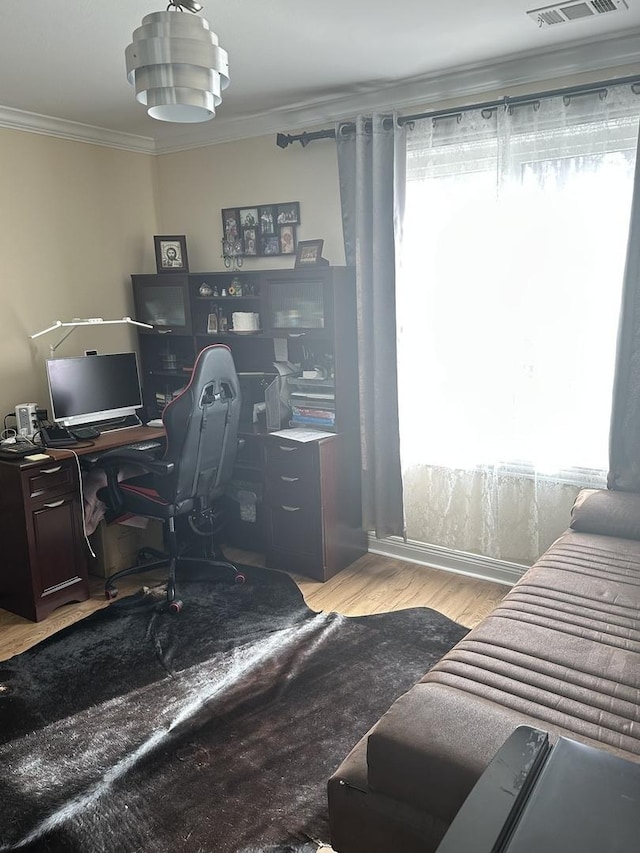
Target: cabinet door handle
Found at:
54, 505
286, 448
289, 479
290, 508
51, 470
164, 331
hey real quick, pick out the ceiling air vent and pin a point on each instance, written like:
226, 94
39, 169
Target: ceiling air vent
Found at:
563, 13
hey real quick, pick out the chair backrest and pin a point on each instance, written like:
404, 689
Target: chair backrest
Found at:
202, 429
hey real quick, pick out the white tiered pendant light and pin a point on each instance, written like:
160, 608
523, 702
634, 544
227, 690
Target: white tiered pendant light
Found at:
176, 65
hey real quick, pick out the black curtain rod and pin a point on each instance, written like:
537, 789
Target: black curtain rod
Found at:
284, 139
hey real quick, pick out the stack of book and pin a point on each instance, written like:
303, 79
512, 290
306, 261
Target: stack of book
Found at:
163, 398
312, 403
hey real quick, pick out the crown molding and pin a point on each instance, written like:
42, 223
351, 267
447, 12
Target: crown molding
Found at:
62, 129
462, 85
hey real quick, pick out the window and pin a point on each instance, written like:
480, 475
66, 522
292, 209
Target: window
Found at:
515, 232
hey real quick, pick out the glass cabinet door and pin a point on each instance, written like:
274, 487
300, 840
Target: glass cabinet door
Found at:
294, 305
163, 301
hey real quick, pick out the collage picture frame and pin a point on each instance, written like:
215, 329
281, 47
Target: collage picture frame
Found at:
264, 230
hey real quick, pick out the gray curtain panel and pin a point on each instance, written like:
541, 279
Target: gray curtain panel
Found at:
371, 167
624, 445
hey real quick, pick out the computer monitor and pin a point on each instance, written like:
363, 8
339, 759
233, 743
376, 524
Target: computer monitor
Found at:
94, 388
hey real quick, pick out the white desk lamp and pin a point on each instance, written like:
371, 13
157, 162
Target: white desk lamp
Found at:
89, 321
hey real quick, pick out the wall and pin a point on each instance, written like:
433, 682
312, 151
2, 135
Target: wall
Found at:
75, 220
195, 185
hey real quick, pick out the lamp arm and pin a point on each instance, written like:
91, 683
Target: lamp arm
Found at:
54, 347
89, 321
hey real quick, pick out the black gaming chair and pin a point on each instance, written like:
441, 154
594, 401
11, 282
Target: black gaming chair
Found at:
201, 426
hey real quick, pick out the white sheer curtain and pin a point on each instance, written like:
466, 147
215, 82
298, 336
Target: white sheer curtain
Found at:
515, 232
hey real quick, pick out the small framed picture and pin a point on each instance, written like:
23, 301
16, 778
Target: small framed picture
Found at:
212, 324
270, 245
267, 220
289, 213
171, 254
250, 242
249, 217
231, 224
287, 240
309, 253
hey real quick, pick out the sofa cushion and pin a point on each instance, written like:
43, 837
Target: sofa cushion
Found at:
608, 513
561, 652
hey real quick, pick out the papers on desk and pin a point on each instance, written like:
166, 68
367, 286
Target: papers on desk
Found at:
301, 435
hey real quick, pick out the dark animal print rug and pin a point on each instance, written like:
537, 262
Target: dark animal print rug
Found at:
213, 730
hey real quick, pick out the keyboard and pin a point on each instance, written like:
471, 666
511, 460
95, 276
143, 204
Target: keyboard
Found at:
92, 458
142, 445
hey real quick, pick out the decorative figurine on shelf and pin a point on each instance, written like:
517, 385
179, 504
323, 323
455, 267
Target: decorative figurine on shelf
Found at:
205, 289
224, 292
235, 288
216, 292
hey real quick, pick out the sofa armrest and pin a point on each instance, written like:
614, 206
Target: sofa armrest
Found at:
607, 513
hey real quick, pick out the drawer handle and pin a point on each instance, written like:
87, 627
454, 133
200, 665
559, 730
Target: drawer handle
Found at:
54, 505
290, 508
289, 479
287, 448
51, 470
164, 331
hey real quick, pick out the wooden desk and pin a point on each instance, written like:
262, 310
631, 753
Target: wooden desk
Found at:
44, 561
107, 441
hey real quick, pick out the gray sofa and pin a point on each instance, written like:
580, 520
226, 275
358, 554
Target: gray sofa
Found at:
561, 652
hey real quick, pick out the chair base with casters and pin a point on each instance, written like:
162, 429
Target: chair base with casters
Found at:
174, 560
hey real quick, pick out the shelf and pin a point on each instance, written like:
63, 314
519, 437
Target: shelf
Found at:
313, 383
226, 298
170, 374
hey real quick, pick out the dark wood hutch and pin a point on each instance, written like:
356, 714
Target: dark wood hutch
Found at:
299, 502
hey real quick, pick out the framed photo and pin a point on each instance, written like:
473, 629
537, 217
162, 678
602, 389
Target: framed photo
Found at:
270, 245
212, 324
250, 241
287, 240
289, 213
267, 219
231, 225
309, 253
259, 230
171, 254
248, 217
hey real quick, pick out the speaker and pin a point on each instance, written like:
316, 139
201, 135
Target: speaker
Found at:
26, 419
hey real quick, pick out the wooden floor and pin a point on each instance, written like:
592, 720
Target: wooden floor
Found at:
373, 584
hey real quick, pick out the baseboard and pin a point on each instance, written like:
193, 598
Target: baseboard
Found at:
459, 562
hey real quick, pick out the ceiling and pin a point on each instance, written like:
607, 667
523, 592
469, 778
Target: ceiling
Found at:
294, 64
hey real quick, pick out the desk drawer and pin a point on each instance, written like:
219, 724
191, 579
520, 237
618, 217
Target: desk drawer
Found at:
293, 490
294, 528
291, 459
50, 479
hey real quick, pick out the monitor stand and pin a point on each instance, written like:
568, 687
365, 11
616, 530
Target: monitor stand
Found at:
124, 422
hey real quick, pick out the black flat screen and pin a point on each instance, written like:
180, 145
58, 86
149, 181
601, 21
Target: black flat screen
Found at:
93, 387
